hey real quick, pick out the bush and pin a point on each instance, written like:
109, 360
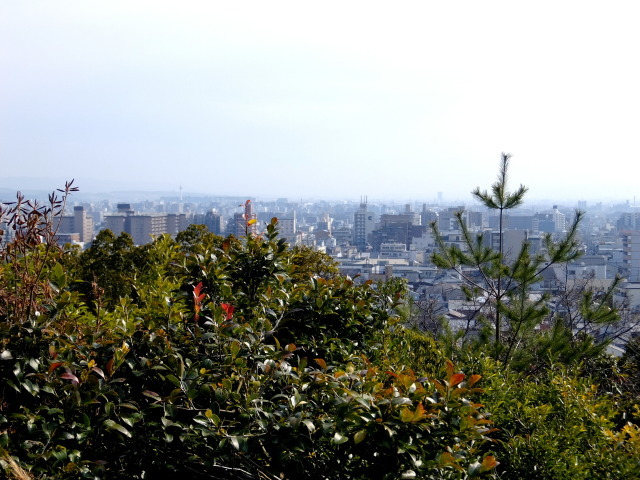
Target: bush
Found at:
224, 361
557, 425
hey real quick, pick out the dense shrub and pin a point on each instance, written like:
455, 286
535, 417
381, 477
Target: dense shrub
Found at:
223, 359
242, 359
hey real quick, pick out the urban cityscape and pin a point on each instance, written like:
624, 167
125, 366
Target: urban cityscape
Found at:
381, 240
266, 240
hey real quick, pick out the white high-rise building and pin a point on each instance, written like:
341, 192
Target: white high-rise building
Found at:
559, 220
363, 224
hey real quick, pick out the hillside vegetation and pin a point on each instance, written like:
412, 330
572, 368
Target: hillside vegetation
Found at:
207, 357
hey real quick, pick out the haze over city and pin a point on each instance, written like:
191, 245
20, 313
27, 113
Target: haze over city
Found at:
324, 100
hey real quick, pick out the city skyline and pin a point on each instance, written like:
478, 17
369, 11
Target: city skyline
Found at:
322, 101
117, 192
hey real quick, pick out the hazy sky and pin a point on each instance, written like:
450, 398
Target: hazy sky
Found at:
323, 99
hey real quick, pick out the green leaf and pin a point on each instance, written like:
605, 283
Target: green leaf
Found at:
60, 454
201, 420
339, 439
310, 426
235, 442
359, 436
150, 394
213, 417
111, 425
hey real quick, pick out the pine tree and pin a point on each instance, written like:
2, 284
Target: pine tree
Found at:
506, 285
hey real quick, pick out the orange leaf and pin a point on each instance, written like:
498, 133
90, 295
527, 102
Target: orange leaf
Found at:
449, 368
473, 379
446, 458
488, 463
456, 379
322, 363
409, 416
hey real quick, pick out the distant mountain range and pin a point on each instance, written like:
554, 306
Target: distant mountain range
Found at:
92, 189
38, 187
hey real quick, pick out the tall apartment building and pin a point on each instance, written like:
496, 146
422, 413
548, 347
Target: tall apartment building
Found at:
324, 223
80, 222
519, 222
631, 256
417, 218
143, 228
447, 221
475, 220
212, 220
288, 228
363, 224
629, 221
512, 241
553, 221
402, 228
427, 216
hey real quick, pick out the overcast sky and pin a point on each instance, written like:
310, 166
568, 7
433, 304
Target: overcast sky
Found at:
323, 99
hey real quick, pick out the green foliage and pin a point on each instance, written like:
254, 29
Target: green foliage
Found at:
197, 239
509, 310
230, 359
307, 262
407, 349
221, 358
558, 426
107, 269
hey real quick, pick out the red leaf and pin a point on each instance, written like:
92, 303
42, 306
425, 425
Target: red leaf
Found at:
70, 376
228, 309
197, 300
53, 366
196, 293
